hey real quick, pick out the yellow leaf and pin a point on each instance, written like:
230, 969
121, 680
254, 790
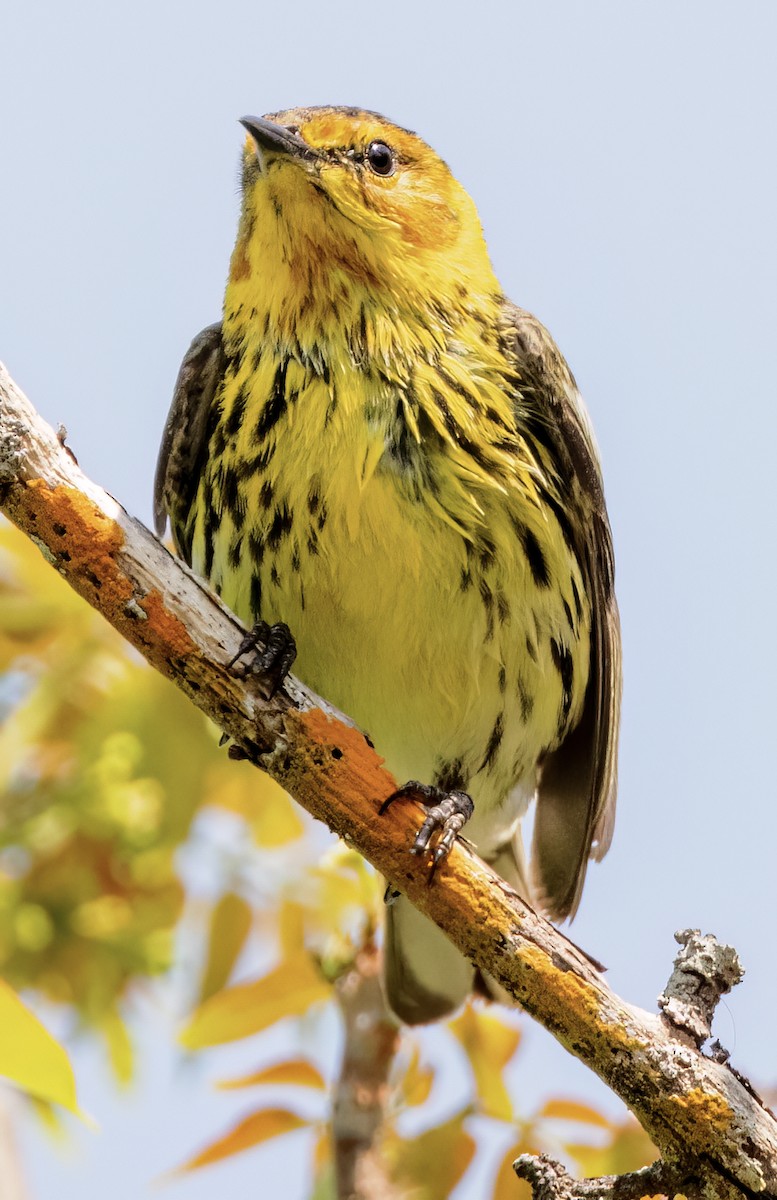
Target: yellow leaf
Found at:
291, 928
297, 1071
230, 923
259, 1127
572, 1110
432, 1164
237, 1012
30, 1057
629, 1149
507, 1185
269, 810
277, 820
489, 1044
119, 1045
417, 1082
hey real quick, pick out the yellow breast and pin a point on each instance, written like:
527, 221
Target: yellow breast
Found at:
402, 571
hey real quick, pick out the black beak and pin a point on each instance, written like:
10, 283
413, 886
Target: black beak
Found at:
276, 139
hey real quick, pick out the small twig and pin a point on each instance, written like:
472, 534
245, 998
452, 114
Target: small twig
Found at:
549, 1180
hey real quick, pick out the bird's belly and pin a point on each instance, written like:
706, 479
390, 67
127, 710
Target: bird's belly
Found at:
447, 665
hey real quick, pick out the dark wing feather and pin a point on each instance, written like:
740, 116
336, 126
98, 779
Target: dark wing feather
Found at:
578, 781
184, 438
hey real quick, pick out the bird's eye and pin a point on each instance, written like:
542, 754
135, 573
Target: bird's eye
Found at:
380, 158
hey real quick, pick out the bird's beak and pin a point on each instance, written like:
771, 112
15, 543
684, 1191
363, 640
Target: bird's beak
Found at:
274, 139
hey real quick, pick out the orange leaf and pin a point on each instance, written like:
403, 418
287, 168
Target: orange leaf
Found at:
230, 923
297, 1071
572, 1110
259, 1127
237, 1012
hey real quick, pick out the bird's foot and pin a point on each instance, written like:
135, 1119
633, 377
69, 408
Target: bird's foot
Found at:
275, 651
448, 813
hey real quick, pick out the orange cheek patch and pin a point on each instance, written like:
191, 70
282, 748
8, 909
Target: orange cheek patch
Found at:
239, 267
431, 225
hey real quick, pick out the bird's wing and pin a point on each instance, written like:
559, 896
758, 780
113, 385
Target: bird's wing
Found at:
185, 435
578, 781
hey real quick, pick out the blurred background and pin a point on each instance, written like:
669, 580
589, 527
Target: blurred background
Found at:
622, 159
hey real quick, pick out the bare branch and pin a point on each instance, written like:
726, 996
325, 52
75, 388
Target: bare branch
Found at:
706, 1122
550, 1181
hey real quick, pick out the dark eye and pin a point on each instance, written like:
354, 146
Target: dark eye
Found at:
380, 158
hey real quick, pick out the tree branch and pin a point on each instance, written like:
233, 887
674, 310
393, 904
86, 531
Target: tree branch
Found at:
362, 1091
711, 1129
549, 1181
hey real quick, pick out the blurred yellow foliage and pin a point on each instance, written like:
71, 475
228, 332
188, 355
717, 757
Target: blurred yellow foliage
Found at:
30, 1057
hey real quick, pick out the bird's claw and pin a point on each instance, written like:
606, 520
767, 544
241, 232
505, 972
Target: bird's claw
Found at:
448, 813
275, 649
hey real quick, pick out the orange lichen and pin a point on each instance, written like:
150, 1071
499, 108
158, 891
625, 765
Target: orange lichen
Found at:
169, 631
701, 1116
570, 1002
346, 744
85, 545
83, 541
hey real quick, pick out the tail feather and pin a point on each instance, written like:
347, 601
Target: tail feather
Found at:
426, 978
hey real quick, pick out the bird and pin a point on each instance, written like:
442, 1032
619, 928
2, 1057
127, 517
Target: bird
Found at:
386, 466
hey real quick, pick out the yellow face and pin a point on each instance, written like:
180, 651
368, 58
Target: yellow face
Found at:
348, 187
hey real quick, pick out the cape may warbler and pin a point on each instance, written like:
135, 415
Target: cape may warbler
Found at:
378, 448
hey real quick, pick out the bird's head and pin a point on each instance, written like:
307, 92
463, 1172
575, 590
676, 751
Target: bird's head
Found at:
339, 201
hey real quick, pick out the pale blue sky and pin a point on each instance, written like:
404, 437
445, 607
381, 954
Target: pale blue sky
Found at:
622, 158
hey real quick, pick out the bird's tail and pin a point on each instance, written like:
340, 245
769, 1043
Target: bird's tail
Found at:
426, 978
